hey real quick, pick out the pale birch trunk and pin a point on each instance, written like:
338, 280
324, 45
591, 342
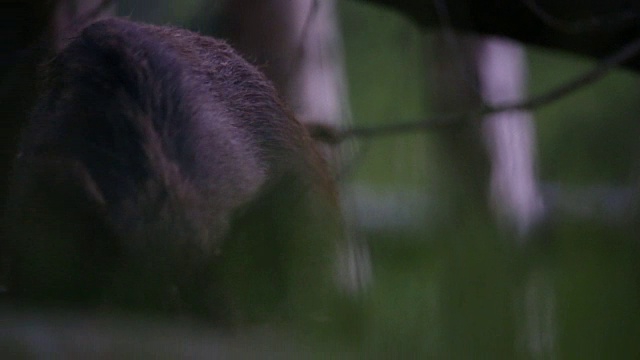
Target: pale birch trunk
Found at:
489, 170
514, 193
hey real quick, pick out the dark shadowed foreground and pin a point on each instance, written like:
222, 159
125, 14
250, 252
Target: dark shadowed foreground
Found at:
41, 334
161, 174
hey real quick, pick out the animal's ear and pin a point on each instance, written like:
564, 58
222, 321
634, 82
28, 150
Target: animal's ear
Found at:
57, 216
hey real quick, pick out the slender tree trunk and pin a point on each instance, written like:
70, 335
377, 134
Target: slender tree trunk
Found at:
299, 46
509, 137
514, 195
492, 195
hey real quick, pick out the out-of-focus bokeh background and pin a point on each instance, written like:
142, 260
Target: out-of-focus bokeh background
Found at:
508, 235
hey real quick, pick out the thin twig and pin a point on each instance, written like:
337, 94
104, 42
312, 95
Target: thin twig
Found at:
603, 68
628, 52
589, 24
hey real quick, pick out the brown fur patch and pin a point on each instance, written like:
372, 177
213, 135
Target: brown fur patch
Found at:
160, 171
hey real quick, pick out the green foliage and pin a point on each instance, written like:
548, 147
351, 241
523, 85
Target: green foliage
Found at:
463, 289
590, 136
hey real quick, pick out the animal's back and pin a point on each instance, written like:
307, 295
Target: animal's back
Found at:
155, 161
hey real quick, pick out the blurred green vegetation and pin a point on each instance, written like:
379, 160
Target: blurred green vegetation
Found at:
592, 135
385, 68
463, 284
459, 290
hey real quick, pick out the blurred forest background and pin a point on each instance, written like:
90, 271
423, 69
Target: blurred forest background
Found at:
442, 270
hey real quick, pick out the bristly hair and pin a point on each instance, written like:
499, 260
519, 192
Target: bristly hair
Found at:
164, 172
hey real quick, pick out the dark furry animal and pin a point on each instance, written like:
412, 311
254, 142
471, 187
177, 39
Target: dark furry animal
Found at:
160, 172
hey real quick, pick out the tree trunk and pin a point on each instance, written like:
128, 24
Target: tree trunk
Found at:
491, 192
299, 46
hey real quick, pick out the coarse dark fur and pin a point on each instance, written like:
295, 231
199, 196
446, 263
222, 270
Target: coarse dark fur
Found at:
160, 172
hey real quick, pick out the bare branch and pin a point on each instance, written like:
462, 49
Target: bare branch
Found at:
592, 23
603, 68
